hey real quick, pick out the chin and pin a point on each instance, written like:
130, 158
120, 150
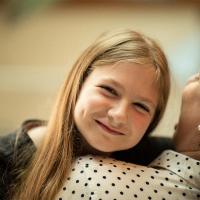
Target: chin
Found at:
109, 150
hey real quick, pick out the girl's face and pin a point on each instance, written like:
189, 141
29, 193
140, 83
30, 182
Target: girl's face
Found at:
116, 105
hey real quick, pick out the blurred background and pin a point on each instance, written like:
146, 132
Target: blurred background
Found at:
41, 39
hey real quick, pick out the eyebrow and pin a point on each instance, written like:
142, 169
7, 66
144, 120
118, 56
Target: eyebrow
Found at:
113, 82
117, 84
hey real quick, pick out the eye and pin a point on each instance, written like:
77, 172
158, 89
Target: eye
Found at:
142, 107
109, 89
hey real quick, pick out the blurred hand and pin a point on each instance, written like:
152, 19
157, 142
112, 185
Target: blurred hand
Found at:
187, 135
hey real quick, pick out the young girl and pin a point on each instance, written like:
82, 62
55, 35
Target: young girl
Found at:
114, 95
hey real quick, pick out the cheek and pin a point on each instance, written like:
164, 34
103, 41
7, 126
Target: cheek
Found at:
96, 102
89, 103
138, 129
140, 123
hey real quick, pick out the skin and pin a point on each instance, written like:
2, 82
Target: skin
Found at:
187, 135
116, 104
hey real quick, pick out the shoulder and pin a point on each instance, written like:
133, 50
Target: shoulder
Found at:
107, 178
37, 134
16, 150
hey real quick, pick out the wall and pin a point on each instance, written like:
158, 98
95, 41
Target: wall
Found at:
37, 51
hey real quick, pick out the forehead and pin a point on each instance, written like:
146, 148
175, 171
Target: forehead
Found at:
127, 72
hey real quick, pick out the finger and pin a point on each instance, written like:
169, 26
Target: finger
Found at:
194, 78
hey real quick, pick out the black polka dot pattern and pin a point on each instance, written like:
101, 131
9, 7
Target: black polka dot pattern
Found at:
185, 167
100, 178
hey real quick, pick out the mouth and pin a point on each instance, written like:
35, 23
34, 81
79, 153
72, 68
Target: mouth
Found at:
108, 129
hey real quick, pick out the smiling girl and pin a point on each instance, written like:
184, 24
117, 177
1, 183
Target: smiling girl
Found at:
118, 111
114, 95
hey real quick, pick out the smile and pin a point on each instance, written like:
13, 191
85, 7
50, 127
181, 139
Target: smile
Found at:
107, 129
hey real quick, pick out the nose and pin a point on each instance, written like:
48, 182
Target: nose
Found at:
118, 114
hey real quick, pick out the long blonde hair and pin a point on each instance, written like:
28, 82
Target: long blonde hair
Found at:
52, 162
